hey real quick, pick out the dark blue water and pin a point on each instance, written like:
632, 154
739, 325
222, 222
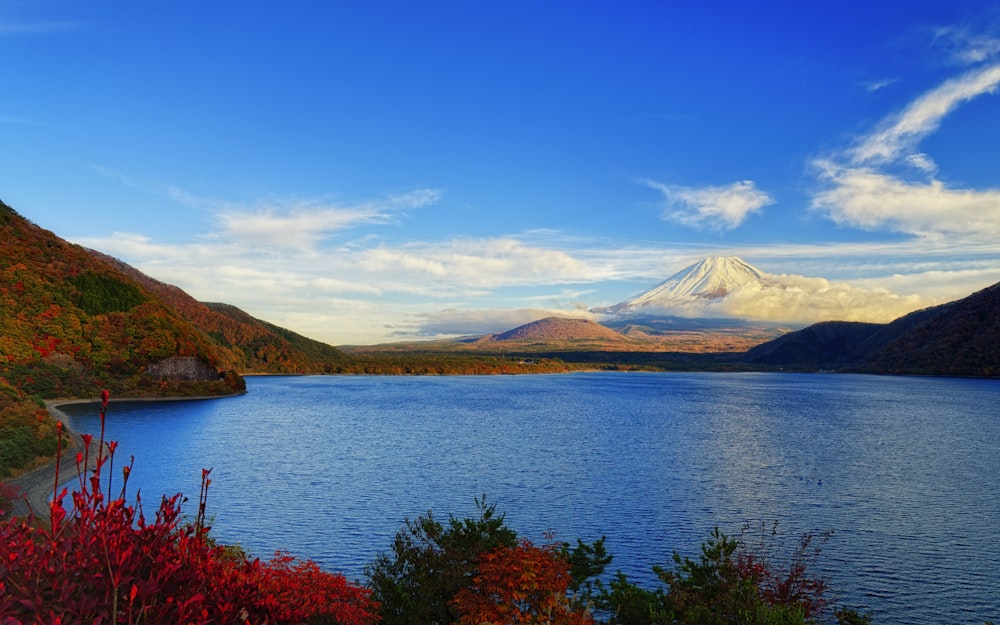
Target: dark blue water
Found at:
904, 471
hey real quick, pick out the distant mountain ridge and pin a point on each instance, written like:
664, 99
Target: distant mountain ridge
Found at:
960, 338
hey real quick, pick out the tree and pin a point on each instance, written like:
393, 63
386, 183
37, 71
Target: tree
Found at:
522, 584
728, 584
431, 562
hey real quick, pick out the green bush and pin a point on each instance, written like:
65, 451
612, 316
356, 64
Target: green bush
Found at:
430, 562
728, 585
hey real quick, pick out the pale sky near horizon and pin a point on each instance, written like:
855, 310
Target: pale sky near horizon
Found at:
365, 172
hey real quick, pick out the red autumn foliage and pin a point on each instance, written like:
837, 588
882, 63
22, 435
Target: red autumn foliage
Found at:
300, 590
791, 585
521, 584
102, 561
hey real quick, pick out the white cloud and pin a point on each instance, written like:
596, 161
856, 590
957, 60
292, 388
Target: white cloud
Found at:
476, 263
304, 223
878, 85
967, 47
899, 134
376, 293
869, 199
862, 189
713, 208
301, 227
800, 300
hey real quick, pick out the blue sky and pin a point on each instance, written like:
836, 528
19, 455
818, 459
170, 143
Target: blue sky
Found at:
366, 172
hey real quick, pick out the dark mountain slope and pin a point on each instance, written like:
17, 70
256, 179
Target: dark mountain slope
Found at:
826, 345
959, 338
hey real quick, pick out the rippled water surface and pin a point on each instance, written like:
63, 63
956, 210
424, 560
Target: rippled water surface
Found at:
904, 471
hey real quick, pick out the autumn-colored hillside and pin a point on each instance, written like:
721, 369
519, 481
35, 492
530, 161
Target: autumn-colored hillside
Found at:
558, 328
255, 346
83, 325
72, 324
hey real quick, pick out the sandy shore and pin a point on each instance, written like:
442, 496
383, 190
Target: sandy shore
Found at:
38, 484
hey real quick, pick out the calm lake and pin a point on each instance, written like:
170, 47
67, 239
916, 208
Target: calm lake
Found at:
904, 471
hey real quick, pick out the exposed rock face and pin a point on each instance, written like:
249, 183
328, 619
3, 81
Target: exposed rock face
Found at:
186, 368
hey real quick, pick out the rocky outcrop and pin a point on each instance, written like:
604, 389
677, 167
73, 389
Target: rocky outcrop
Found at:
187, 368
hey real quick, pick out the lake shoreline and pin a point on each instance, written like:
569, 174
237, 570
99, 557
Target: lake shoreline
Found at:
37, 486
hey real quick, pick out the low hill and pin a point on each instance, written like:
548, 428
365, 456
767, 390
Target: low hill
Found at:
558, 329
961, 338
696, 335
255, 346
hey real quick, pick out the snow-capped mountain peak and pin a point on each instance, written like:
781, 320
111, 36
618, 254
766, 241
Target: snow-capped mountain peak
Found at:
712, 278
726, 287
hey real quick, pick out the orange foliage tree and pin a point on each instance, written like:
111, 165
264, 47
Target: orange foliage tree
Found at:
524, 583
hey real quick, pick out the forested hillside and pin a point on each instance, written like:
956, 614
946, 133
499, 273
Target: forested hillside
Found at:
74, 322
80, 324
255, 345
71, 325
961, 338
957, 339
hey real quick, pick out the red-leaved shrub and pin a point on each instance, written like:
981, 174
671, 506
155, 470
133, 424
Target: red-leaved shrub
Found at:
102, 561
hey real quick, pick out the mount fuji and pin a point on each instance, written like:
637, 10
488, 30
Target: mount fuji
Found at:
694, 288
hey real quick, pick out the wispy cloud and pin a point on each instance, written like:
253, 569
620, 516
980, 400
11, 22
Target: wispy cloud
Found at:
300, 226
304, 223
885, 181
713, 208
878, 85
477, 263
375, 291
284, 223
966, 46
20, 121
870, 199
14, 28
898, 135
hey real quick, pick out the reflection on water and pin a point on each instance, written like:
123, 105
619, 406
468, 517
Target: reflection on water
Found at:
905, 471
